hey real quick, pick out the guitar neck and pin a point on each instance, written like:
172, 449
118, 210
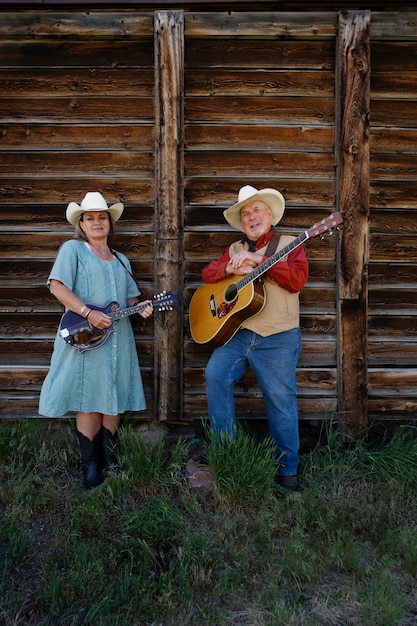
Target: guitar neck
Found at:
272, 260
137, 308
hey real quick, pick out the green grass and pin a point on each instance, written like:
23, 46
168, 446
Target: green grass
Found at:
142, 550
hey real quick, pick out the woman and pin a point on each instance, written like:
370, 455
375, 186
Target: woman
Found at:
100, 383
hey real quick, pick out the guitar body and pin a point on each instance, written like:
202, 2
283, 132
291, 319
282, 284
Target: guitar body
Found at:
76, 331
81, 334
217, 310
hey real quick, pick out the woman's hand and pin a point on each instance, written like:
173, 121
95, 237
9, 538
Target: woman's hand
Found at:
149, 309
98, 319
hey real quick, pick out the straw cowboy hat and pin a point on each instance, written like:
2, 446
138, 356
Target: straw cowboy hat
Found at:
274, 199
93, 201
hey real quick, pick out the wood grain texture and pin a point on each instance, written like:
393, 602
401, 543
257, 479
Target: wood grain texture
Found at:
171, 112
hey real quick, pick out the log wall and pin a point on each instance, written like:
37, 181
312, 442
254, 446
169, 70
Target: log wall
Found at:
246, 98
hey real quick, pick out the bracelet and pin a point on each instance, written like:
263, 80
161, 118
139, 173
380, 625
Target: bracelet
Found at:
82, 310
89, 311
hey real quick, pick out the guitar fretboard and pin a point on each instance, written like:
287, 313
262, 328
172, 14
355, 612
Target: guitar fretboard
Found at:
117, 315
274, 258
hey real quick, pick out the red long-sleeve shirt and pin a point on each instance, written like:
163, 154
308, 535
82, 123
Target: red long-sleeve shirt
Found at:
291, 273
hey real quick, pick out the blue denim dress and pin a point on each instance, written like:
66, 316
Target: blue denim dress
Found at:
106, 379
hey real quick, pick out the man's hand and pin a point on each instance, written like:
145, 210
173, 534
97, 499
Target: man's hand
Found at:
243, 263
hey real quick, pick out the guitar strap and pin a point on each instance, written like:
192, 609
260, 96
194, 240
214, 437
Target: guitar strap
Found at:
141, 289
272, 245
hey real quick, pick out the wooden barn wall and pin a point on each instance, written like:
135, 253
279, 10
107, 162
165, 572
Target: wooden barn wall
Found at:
392, 310
77, 110
259, 110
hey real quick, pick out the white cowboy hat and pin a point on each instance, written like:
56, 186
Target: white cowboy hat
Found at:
274, 199
93, 201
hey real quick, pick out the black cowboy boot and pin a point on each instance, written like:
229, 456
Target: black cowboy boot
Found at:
90, 452
108, 443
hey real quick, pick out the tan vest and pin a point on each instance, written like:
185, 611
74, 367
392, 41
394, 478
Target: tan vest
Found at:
281, 310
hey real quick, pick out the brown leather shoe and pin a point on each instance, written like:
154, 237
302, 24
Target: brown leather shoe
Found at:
289, 482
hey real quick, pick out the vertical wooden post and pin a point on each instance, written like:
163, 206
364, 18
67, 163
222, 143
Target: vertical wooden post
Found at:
169, 143
352, 153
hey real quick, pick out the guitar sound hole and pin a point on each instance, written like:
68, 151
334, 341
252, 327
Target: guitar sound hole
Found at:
231, 293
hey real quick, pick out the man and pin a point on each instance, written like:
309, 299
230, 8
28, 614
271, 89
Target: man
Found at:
268, 341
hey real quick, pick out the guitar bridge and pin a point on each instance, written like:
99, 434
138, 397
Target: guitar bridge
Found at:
212, 306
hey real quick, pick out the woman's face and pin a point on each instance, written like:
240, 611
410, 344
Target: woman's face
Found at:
95, 224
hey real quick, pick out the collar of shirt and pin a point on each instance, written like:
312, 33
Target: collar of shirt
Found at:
260, 243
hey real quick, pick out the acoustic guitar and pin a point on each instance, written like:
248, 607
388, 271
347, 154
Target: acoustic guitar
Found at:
77, 332
217, 310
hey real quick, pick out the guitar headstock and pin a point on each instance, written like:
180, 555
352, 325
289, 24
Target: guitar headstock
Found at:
326, 226
165, 301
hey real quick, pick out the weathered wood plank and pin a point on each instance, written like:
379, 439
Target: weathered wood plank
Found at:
393, 194
62, 190
393, 248
388, 383
393, 85
395, 298
232, 136
401, 408
399, 113
169, 125
77, 109
397, 222
353, 102
139, 164
392, 273
394, 166
243, 82
235, 162
391, 327
260, 109
228, 53
394, 25
15, 136
89, 24
390, 56
388, 352
385, 139
45, 81
222, 191
265, 25
76, 54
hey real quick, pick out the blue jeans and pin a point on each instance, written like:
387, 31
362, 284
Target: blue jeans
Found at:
273, 360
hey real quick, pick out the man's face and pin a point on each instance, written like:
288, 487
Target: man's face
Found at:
256, 219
